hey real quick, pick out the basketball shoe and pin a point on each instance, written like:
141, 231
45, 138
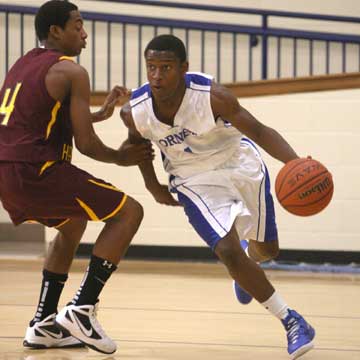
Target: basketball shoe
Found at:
300, 334
242, 296
45, 334
80, 321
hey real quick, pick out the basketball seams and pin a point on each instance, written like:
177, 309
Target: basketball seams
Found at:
302, 184
304, 187
284, 176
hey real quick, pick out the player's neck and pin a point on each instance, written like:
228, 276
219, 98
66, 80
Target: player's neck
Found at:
166, 109
173, 100
50, 45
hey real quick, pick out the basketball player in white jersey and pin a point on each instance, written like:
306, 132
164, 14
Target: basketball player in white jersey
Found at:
216, 172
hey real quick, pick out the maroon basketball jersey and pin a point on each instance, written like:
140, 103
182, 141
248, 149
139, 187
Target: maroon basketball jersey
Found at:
33, 126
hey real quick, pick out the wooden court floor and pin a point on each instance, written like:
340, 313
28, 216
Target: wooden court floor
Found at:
187, 311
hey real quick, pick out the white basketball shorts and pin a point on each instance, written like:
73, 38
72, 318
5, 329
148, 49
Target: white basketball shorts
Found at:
237, 193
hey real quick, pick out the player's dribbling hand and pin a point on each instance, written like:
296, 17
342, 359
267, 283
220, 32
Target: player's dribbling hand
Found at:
119, 95
162, 196
134, 154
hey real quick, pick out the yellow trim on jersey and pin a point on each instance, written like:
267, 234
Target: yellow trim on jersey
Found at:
54, 112
117, 209
106, 186
45, 166
61, 224
66, 58
88, 210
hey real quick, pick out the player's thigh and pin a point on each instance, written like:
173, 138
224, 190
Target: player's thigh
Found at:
263, 212
211, 211
64, 192
81, 195
73, 229
264, 237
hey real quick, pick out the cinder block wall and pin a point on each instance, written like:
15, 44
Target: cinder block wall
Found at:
323, 124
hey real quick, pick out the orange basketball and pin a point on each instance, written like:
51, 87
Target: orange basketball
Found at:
304, 187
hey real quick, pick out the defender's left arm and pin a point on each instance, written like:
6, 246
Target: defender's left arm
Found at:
226, 105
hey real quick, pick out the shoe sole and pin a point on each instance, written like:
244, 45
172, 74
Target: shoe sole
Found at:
91, 346
303, 350
35, 346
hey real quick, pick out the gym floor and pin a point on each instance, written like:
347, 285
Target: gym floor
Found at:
173, 311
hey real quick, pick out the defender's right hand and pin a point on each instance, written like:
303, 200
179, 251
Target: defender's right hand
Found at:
134, 154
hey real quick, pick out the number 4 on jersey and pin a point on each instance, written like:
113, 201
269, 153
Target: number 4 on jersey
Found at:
7, 108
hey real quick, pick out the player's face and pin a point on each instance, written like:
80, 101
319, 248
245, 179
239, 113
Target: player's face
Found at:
73, 36
165, 74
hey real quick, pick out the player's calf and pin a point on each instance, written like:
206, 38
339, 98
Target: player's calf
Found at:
263, 251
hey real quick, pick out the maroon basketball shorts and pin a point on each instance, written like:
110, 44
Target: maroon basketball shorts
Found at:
53, 194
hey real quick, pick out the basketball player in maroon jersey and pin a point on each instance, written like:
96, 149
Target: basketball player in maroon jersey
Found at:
44, 105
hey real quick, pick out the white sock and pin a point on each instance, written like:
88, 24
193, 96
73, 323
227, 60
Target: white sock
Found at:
276, 305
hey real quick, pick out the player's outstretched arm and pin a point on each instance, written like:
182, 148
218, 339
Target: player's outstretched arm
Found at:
119, 95
159, 191
67, 78
226, 105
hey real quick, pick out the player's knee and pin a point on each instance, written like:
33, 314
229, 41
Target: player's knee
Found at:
230, 254
73, 229
136, 209
132, 210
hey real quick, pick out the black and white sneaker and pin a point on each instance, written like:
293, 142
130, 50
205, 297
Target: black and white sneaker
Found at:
45, 334
80, 321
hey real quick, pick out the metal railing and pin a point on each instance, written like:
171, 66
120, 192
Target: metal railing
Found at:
232, 52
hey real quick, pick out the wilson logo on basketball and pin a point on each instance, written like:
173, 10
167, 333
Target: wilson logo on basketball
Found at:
318, 188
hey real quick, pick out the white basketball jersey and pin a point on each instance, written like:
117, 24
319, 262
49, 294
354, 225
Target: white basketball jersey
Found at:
196, 142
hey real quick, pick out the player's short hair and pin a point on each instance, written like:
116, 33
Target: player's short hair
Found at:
53, 12
168, 43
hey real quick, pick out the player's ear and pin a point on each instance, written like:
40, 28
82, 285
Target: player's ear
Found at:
184, 67
55, 31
